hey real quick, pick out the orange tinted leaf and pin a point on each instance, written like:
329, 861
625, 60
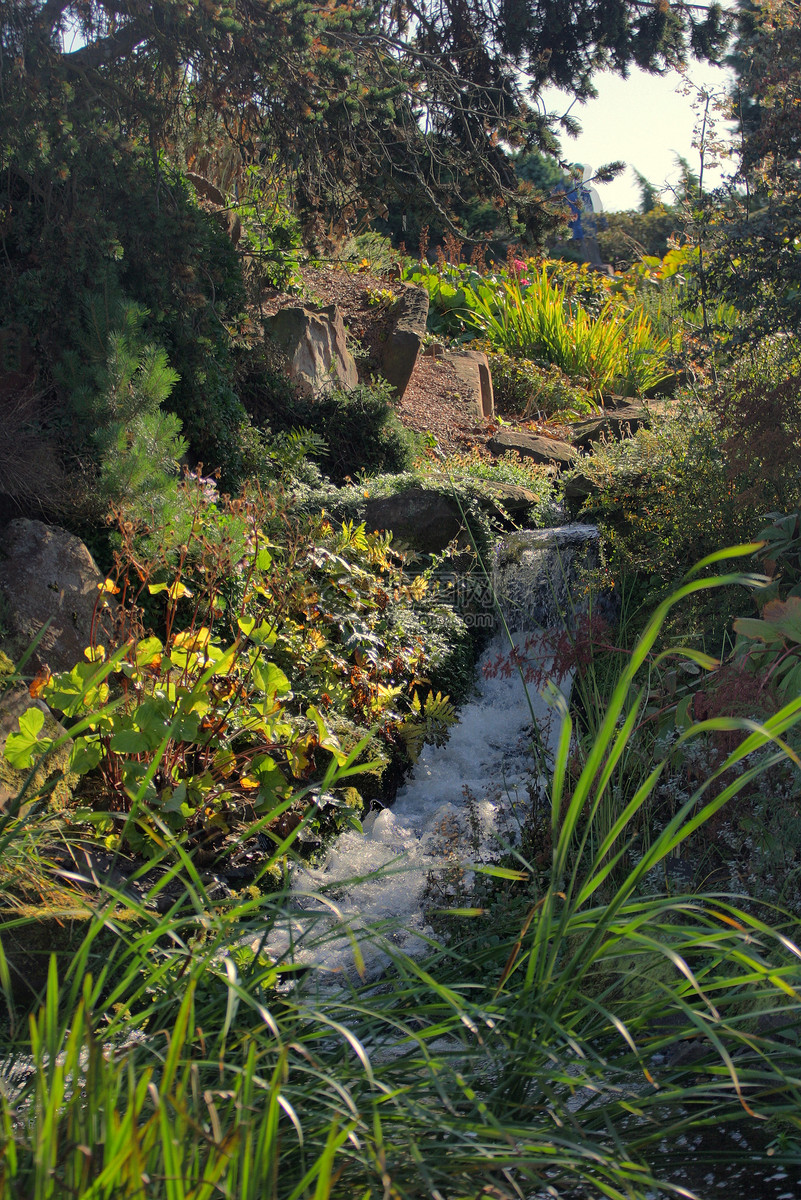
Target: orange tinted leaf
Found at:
40, 681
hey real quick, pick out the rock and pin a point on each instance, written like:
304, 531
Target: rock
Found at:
205, 188
229, 221
472, 371
405, 338
421, 517
579, 487
535, 570
47, 574
315, 343
668, 385
505, 497
530, 445
49, 774
613, 426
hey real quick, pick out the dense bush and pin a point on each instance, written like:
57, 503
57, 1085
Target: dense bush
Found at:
242, 637
523, 387
758, 406
127, 445
360, 429
664, 501
93, 219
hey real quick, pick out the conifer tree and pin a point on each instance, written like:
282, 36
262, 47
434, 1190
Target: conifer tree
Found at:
756, 228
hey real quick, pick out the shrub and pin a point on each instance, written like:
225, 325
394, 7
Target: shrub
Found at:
101, 217
117, 385
759, 409
663, 501
241, 635
525, 387
271, 236
360, 429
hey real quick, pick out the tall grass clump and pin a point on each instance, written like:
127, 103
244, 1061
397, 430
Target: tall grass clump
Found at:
615, 350
208, 1055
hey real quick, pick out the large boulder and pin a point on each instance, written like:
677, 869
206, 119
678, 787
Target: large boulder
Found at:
530, 445
612, 426
421, 517
315, 344
405, 338
47, 574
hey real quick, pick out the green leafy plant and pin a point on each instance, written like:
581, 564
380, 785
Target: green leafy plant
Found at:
205, 733
568, 1038
523, 387
383, 298
454, 289
119, 385
613, 351
360, 428
663, 501
271, 233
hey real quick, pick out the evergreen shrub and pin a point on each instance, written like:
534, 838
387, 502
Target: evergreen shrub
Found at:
360, 428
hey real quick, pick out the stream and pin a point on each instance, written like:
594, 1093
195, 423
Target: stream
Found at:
464, 803
459, 804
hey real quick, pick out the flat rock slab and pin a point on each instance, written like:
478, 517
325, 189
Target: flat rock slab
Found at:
612, 426
474, 381
405, 337
47, 574
531, 445
315, 344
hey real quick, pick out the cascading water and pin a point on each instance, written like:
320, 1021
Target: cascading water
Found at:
462, 801
451, 810
461, 805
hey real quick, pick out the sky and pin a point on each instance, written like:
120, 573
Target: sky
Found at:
643, 120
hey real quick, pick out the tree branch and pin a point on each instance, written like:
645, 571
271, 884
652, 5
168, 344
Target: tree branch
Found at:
107, 49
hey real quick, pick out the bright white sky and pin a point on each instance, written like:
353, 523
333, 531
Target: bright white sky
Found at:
643, 120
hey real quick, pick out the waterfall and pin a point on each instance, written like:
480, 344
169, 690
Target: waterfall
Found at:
464, 801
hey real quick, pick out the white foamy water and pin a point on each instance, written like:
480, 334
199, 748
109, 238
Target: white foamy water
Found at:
459, 806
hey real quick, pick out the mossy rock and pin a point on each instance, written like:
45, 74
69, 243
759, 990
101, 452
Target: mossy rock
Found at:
50, 776
29, 934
